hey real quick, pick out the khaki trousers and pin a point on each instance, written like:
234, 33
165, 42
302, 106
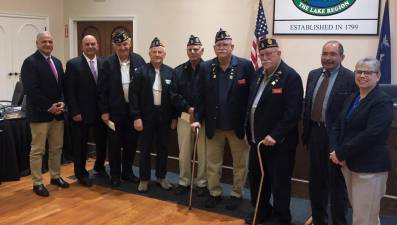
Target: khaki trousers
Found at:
186, 143
365, 190
41, 132
215, 149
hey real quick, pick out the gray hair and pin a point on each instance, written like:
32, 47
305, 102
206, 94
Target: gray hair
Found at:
373, 63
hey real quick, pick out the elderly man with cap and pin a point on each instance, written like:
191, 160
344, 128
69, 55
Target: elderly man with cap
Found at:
186, 80
118, 72
223, 89
152, 99
274, 109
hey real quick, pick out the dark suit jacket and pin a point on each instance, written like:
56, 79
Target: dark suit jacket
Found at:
141, 94
111, 95
237, 95
343, 87
41, 87
279, 108
361, 140
81, 89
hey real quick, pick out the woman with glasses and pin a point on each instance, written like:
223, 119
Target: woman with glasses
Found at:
358, 143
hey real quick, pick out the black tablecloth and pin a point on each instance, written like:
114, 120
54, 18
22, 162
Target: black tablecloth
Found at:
14, 149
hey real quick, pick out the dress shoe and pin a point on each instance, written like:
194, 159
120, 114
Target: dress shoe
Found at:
181, 190
59, 182
212, 201
40, 190
115, 182
130, 178
202, 191
233, 202
101, 172
143, 186
164, 184
85, 181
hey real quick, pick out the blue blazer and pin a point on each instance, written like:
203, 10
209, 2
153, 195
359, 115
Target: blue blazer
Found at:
41, 88
361, 139
279, 108
237, 95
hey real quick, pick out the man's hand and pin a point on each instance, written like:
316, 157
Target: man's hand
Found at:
195, 125
174, 123
334, 159
191, 113
138, 124
269, 141
105, 118
77, 118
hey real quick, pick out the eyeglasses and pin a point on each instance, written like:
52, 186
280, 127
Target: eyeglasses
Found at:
267, 54
222, 45
195, 50
366, 73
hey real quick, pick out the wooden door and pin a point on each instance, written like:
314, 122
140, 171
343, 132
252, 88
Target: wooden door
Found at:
17, 41
102, 30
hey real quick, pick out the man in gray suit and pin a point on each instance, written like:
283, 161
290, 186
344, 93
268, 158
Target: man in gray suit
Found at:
326, 90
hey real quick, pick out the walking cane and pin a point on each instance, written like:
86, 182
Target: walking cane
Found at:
309, 221
261, 182
196, 135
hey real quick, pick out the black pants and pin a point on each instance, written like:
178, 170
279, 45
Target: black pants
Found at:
278, 163
326, 181
79, 133
125, 137
157, 130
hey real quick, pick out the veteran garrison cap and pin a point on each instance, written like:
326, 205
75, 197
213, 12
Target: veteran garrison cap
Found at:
267, 43
222, 35
156, 43
193, 40
119, 36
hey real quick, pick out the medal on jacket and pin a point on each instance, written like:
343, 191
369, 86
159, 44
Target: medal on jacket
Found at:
231, 73
213, 71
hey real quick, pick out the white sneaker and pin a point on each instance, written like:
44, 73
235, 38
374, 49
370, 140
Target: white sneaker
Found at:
164, 184
143, 186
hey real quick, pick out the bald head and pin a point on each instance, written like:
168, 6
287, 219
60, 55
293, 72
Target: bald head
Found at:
45, 42
89, 46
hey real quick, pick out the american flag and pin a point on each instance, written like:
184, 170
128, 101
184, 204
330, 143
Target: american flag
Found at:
260, 32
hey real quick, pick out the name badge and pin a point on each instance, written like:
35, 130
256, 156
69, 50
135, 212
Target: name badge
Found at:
277, 90
242, 81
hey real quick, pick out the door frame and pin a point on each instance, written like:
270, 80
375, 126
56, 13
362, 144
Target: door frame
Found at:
73, 39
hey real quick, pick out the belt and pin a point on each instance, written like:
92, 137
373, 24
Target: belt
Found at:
318, 123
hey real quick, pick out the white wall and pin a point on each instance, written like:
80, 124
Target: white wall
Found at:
174, 20
51, 8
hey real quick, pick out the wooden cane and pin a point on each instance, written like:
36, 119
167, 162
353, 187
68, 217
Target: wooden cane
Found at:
261, 182
309, 221
196, 134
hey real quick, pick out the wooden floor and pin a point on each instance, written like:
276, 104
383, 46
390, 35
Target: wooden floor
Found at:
95, 205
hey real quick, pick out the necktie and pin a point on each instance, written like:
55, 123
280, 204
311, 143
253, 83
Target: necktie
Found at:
93, 70
53, 69
319, 100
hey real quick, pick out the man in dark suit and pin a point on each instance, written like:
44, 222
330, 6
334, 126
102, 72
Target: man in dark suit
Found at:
42, 77
222, 101
118, 71
152, 99
326, 90
82, 75
186, 80
274, 109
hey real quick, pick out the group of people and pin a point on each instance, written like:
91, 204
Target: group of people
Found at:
133, 104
